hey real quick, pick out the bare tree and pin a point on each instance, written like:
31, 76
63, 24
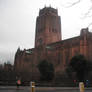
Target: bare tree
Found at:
75, 2
88, 12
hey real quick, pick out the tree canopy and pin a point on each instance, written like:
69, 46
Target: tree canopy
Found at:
46, 70
79, 65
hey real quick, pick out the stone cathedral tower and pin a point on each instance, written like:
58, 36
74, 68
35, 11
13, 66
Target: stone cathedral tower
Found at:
48, 27
50, 46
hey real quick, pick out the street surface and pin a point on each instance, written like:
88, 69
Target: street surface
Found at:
43, 89
13, 89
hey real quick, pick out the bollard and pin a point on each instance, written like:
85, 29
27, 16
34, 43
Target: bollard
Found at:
32, 86
81, 86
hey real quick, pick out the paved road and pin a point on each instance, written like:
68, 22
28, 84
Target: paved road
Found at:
14, 89
62, 89
44, 89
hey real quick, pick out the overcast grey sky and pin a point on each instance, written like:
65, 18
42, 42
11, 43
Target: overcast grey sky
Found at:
18, 21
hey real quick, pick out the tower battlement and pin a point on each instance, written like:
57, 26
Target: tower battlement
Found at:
49, 10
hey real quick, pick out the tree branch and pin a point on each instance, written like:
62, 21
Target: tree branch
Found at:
90, 25
72, 4
88, 12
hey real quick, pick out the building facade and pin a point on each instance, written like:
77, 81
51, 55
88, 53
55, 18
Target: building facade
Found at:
50, 46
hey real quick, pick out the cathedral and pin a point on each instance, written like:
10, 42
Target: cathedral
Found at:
50, 46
